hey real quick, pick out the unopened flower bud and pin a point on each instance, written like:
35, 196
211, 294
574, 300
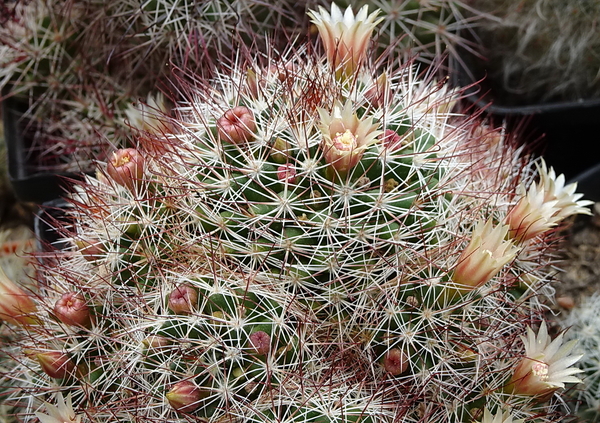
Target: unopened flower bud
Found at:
380, 92
395, 362
280, 149
391, 140
55, 364
260, 342
155, 342
183, 300
72, 309
126, 167
252, 83
286, 174
16, 305
185, 396
90, 250
237, 125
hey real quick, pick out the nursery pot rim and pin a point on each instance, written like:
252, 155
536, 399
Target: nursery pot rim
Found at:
477, 93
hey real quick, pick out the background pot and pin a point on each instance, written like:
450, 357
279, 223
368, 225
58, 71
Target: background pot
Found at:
30, 182
565, 133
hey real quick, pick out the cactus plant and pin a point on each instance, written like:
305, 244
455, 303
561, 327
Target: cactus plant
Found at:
78, 67
539, 51
582, 324
313, 241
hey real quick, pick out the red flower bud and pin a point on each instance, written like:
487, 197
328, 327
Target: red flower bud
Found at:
183, 300
55, 364
287, 174
391, 140
71, 309
185, 396
395, 362
237, 125
126, 167
260, 342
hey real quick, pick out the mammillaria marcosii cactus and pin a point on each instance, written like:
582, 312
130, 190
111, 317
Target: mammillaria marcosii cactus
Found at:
313, 242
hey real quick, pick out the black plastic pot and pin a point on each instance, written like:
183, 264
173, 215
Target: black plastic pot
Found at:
566, 133
51, 224
29, 182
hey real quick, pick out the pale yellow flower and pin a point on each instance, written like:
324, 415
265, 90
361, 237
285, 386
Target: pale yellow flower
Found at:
346, 137
544, 205
149, 116
546, 366
487, 252
499, 417
345, 36
62, 412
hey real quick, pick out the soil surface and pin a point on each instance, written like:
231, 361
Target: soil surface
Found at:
580, 262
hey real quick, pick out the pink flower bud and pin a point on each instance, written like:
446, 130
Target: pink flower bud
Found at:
395, 362
90, 250
260, 342
183, 300
55, 364
71, 309
391, 140
237, 125
16, 306
126, 167
155, 342
185, 396
380, 92
286, 174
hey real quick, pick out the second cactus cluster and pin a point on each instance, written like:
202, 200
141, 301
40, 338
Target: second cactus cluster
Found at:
307, 239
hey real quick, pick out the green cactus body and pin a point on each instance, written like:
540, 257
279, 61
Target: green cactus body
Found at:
255, 273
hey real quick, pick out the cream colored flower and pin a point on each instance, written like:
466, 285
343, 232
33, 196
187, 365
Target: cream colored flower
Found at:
345, 36
62, 412
345, 137
499, 417
544, 205
546, 366
485, 255
149, 116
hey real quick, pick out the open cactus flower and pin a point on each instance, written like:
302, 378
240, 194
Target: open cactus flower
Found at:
345, 36
499, 417
546, 366
283, 255
62, 412
544, 205
345, 138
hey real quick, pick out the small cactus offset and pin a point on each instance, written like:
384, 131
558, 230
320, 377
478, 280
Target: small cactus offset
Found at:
582, 322
313, 241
